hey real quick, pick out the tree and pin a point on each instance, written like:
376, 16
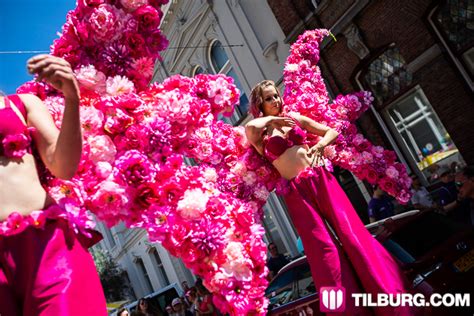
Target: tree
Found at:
115, 285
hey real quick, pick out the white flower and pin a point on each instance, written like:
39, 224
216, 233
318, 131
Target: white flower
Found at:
250, 178
261, 193
210, 174
119, 85
291, 67
193, 203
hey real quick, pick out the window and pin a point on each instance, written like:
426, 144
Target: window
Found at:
220, 64
197, 70
161, 269
387, 75
142, 269
421, 131
110, 237
454, 19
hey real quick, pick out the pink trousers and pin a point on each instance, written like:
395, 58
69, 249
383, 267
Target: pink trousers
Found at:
48, 271
362, 265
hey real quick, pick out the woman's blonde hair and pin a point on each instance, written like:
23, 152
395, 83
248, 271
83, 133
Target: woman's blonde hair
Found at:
256, 97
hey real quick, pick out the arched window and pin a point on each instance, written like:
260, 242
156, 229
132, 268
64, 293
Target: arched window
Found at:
387, 76
197, 70
220, 64
218, 57
454, 23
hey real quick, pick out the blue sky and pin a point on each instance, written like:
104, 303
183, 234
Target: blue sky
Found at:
27, 25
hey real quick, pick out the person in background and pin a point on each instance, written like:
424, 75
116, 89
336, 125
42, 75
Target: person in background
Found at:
434, 171
184, 299
144, 307
276, 261
169, 310
123, 312
179, 308
380, 206
185, 286
465, 183
204, 304
191, 296
448, 192
421, 198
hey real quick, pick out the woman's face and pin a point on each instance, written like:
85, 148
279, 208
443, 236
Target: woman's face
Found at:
142, 306
272, 103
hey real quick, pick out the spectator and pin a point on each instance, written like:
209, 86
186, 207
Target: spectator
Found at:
421, 198
123, 312
185, 286
191, 296
185, 300
169, 310
380, 206
204, 304
179, 308
276, 260
465, 182
144, 307
434, 171
448, 192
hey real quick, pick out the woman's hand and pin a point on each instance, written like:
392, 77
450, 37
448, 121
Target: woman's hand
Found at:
55, 71
317, 152
278, 123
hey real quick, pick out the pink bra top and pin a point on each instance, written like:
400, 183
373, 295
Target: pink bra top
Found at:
275, 146
15, 140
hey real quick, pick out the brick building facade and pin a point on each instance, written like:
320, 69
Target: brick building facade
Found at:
410, 54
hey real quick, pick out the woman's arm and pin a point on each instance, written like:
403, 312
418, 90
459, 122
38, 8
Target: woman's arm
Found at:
328, 134
59, 150
255, 128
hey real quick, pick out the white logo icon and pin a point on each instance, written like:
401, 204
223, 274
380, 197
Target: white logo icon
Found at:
332, 299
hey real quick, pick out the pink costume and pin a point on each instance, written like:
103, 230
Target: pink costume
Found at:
361, 265
45, 268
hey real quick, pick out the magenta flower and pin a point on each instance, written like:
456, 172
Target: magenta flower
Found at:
15, 146
134, 168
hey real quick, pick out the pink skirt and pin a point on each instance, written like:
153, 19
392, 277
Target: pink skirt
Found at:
46, 269
361, 265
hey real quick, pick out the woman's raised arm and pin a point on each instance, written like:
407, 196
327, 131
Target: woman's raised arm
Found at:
59, 150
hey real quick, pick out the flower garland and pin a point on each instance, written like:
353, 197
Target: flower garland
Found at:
305, 93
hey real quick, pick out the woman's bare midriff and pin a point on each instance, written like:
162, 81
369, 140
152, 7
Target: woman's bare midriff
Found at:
20, 189
293, 161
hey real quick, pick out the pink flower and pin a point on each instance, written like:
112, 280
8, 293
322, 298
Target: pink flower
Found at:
16, 145
132, 5
91, 78
148, 17
103, 21
15, 223
102, 149
109, 197
391, 172
38, 218
92, 120
134, 168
